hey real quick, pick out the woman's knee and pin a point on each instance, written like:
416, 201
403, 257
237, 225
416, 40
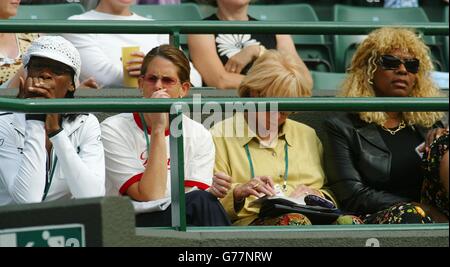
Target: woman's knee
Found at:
203, 209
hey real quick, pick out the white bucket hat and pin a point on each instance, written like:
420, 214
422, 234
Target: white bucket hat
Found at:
58, 49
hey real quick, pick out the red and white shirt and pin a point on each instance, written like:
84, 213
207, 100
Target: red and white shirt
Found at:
126, 153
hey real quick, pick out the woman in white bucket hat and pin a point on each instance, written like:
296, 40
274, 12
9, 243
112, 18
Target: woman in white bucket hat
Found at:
47, 157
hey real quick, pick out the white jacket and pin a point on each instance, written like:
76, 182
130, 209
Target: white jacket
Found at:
79, 170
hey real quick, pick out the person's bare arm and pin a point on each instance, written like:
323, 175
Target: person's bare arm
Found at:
153, 184
205, 58
238, 62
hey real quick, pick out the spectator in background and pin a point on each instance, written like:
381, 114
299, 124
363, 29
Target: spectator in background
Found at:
257, 152
48, 157
101, 53
137, 149
224, 59
12, 45
373, 159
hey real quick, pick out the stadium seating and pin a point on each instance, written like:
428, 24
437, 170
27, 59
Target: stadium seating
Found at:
345, 45
56, 11
329, 81
312, 48
186, 11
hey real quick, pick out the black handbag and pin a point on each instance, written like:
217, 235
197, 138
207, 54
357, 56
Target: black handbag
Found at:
316, 214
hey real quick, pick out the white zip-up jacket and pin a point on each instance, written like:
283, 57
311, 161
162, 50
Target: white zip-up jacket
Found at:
80, 166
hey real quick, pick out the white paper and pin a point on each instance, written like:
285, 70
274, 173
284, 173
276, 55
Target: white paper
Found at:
155, 205
151, 206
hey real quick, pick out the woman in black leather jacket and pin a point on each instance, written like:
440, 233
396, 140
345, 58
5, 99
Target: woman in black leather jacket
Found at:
374, 159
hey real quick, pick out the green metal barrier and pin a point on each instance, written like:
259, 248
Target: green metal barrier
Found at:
175, 28
114, 26
284, 104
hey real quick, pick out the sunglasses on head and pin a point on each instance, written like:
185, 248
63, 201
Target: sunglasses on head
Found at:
390, 62
165, 80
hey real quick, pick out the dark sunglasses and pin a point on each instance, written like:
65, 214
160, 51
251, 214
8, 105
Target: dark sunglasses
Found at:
390, 62
165, 80
57, 69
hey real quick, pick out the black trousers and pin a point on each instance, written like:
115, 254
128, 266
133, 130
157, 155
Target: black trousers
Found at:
202, 209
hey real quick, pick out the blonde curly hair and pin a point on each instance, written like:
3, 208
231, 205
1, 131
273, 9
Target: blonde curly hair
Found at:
364, 64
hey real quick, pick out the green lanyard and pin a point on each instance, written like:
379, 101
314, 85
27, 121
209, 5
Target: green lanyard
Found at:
286, 163
49, 179
144, 125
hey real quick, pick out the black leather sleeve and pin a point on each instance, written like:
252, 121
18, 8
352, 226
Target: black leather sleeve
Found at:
341, 151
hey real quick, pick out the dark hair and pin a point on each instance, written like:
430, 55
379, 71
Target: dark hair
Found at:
172, 54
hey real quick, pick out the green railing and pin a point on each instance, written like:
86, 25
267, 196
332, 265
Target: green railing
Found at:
175, 28
283, 104
114, 26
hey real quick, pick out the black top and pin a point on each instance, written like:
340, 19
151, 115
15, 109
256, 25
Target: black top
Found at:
405, 175
227, 45
367, 170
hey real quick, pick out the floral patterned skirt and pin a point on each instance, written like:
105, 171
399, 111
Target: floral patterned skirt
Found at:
400, 213
300, 219
433, 192
285, 219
